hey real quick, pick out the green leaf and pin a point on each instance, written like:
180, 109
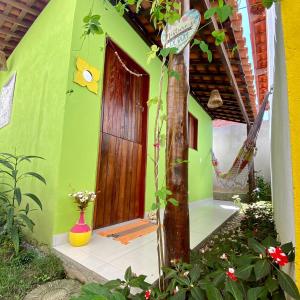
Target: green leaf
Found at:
262, 268
219, 279
288, 284
271, 284
256, 293
165, 52
27, 209
163, 193
244, 272
173, 201
29, 223
213, 293
269, 242
268, 3
95, 289
197, 293
29, 157
256, 246
18, 195
175, 74
210, 12
128, 274
195, 273
152, 101
232, 288
155, 206
118, 296
180, 295
221, 3
219, 36
224, 12
7, 164
287, 248
15, 238
35, 199
37, 176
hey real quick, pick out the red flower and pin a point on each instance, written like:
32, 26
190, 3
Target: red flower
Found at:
230, 274
278, 255
147, 294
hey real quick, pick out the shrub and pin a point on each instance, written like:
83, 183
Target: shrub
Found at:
242, 263
263, 191
15, 204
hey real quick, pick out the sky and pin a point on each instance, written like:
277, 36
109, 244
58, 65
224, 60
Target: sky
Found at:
246, 28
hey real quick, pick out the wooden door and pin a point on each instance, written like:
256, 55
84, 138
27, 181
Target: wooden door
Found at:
122, 151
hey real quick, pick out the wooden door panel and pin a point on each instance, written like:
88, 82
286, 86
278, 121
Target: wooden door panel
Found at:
122, 150
119, 185
122, 105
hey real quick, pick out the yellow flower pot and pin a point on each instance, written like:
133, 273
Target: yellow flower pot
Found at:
80, 234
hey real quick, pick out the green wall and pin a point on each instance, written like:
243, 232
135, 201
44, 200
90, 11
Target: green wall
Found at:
71, 122
41, 61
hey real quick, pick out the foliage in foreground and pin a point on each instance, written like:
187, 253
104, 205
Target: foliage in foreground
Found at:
263, 191
21, 273
242, 263
15, 204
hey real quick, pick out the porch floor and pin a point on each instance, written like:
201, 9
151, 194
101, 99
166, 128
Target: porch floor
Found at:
109, 258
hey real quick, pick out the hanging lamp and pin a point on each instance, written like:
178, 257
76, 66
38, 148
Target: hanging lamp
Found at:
215, 99
3, 65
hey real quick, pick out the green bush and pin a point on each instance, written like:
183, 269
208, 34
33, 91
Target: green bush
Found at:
263, 191
241, 263
15, 204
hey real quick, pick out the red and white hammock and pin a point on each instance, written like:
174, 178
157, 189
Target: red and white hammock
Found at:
247, 151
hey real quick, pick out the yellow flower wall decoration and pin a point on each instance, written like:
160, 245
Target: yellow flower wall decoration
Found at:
86, 75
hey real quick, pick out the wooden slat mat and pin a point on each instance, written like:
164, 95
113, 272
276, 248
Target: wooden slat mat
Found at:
128, 232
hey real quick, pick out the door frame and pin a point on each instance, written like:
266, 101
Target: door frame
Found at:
145, 92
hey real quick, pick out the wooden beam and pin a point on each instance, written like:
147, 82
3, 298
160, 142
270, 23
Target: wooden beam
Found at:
10, 33
176, 218
22, 6
229, 71
14, 21
6, 44
196, 61
216, 84
222, 93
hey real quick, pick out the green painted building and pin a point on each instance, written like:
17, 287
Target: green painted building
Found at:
58, 119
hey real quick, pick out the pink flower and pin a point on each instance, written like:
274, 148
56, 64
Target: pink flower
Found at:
278, 256
147, 294
156, 145
230, 274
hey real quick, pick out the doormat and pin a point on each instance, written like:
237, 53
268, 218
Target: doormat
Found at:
129, 232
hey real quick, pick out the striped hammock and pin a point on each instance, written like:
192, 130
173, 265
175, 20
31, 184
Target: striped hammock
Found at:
247, 151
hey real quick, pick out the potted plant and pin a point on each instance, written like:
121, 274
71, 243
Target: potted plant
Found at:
80, 233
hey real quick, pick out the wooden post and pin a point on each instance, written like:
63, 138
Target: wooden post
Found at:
251, 175
176, 218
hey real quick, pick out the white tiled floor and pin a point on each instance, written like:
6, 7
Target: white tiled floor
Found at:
110, 258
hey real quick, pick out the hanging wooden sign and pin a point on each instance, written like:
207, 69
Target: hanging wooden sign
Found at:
180, 34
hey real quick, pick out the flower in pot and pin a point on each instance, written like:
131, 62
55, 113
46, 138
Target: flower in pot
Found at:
80, 233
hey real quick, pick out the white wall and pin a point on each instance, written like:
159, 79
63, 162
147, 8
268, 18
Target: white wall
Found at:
227, 141
282, 185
